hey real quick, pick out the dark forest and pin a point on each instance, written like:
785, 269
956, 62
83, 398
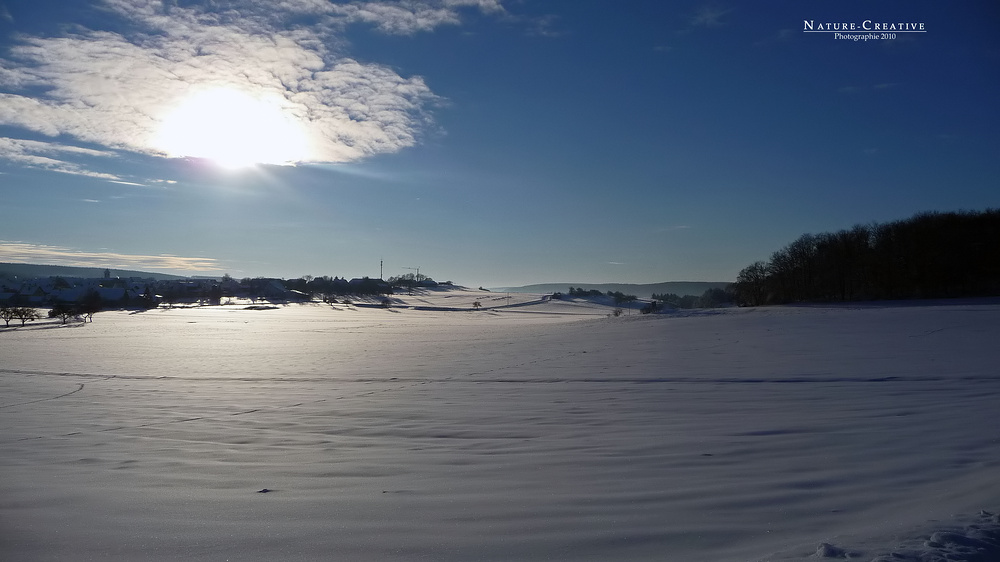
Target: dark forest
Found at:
931, 255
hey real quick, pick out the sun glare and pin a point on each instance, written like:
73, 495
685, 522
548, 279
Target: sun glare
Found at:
232, 129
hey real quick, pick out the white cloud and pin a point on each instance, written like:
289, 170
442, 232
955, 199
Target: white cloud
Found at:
21, 252
400, 17
114, 87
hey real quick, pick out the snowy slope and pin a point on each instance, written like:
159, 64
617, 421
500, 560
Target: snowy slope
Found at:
539, 432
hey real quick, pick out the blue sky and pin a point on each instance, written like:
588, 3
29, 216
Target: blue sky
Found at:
489, 142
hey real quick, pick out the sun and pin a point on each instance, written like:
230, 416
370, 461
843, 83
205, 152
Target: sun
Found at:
232, 129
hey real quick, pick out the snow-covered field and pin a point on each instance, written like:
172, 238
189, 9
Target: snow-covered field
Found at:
546, 431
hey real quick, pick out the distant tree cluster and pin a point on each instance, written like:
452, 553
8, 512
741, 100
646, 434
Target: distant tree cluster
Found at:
621, 298
410, 281
90, 305
327, 287
580, 292
618, 296
711, 298
931, 255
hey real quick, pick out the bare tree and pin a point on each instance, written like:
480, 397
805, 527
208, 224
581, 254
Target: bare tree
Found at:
63, 312
8, 313
26, 314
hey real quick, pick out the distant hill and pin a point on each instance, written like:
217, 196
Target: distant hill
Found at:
28, 271
643, 291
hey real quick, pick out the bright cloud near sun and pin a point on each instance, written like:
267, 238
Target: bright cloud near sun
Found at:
237, 86
233, 129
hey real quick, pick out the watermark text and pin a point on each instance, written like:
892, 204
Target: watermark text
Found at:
812, 26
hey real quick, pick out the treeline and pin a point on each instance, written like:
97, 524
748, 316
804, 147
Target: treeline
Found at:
330, 286
931, 255
584, 293
618, 296
711, 298
326, 286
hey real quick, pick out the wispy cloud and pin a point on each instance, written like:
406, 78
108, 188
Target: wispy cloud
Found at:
113, 87
671, 228
851, 90
542, 26
21, 252
49, 155
710, 16
780, 36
